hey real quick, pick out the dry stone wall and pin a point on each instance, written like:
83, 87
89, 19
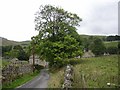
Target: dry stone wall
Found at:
13, 71
68, 77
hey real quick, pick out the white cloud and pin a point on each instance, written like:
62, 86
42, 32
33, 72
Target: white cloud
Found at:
17, 16
103, 19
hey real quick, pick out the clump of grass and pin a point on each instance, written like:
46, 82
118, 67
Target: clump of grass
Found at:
56, 78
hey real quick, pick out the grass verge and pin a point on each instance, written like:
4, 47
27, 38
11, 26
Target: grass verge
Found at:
21, 80
56, 78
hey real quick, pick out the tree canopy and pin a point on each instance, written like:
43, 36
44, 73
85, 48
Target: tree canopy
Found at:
53, 21
98, 47
16, 51
57, 38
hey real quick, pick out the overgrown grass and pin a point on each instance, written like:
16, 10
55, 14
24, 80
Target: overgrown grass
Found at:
57, 74
97, 71
21, 80
56, 78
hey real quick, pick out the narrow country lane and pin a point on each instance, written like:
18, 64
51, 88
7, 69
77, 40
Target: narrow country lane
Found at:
39, 82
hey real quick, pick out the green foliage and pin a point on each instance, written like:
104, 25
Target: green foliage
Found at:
88, 42
57, 39
51, 21
57, 52
18, 52
113, 38
5, 50
98, 47
109, 41
112, 47
112, 50
14, 52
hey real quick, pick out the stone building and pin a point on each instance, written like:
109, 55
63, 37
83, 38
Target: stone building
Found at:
88, 54
37, 60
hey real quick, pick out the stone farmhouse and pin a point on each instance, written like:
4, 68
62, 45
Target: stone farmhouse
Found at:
37, 60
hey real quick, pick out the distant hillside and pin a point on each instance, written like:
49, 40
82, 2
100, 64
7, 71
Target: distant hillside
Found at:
6, 42
99, 36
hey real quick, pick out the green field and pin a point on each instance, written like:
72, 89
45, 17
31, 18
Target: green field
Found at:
111, 44
97, 72
93, 72
97, 36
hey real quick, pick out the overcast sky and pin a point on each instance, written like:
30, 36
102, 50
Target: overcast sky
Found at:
100, 17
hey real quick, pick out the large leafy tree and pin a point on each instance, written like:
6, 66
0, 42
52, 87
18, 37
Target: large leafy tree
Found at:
57, 38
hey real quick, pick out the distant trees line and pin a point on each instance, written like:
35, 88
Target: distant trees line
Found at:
113, 49
98, 47
92, 43
14, 52
112, 38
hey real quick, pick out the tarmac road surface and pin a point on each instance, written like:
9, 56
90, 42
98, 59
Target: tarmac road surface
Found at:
38, 82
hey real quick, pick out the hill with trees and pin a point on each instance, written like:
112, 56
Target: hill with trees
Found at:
14, 49
6, 42
109, 44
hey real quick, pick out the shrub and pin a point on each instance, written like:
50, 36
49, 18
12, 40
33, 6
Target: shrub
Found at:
112, 50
